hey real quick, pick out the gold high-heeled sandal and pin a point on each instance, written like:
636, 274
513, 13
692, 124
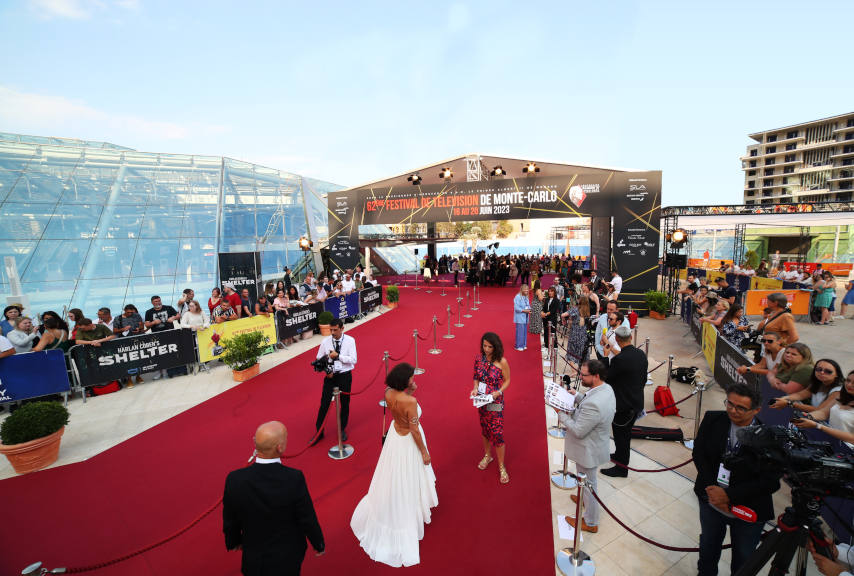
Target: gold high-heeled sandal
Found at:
503, 476
483, 464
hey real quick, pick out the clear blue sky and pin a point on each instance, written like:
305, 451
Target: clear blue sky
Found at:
356, 91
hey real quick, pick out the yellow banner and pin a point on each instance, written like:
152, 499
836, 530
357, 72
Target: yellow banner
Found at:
757, 283
211, 339
710, 340
711, 275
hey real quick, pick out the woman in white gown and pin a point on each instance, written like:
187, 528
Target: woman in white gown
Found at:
389, 520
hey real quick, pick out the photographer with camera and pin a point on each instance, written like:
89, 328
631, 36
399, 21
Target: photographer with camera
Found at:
779, 318
336, 358
719, 488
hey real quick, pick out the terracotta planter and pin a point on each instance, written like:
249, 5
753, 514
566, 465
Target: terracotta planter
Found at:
35, 454
244, 375
392, 305
324, 329
657, 315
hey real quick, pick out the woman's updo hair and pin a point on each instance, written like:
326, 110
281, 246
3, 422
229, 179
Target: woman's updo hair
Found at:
398, 377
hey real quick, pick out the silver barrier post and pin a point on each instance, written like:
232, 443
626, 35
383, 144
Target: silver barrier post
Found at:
572, 561
459, 293
459, 323
646, 346
468, 300
383, 402
449, 336
636, 336
554, 363
562, 478
340, 451
476, 301
415, 336
477, 294
700, 388
669, 368
435, 349
548, 362
443, 290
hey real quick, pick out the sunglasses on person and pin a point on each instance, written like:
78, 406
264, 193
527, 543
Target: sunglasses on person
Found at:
825, 370
767, 340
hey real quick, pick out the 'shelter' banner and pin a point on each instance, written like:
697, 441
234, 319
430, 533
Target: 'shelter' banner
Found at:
370, 298
136, 355
298, 320
727, 359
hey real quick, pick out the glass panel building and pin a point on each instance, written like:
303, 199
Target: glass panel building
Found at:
92, 224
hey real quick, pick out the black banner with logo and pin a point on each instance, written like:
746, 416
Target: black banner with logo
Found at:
344, 248
243, 269
136, 355
637, 211
727, 359
600, 245
297, 320
370, 298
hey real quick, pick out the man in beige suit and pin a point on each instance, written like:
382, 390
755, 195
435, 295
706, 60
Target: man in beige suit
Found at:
587, 441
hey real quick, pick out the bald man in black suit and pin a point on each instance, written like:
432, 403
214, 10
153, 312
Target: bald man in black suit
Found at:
267, 511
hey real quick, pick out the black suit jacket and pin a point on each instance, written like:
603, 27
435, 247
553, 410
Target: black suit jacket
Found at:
551, 308
627, 376
267, 510
749, 485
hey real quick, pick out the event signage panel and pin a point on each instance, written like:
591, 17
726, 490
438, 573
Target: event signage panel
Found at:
370, 298
243, 269
212, 340
122, 357
759, 283
710, 339
32, 375
343, 306
636, 206
757, 300
727, 359
298, 320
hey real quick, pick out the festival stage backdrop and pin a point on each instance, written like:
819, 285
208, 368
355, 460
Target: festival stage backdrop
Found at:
631, 199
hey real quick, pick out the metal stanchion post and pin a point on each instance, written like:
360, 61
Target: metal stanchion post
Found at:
562, 478
646, 346
415, 336
636, 336
689, 444
449, 336
476, 302
477, 295
550, 373
340, 451
459, 323
572, 561
382, 402
554, 364
669, 368
435, 348
416, 274
459, 293
443, 290
468, 299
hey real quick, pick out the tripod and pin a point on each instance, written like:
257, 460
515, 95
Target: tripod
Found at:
799, 522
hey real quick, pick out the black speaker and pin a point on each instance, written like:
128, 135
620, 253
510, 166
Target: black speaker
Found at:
677, 260
416, 251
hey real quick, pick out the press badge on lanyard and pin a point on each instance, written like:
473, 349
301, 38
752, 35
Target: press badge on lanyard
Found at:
723, 471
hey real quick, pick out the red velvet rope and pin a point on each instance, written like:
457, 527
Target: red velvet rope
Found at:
653, 469
374, 379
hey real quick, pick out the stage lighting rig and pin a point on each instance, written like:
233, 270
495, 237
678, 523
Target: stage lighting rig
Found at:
677, 238
305, 244
530, 168
498, 171
446, 173
415, 179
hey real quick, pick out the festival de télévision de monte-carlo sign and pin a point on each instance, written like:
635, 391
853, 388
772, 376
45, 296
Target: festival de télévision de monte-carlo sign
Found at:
632, 199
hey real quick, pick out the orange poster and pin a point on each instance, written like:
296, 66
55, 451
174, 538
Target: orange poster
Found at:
757, 300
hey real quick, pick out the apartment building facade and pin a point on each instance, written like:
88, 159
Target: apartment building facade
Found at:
809, 162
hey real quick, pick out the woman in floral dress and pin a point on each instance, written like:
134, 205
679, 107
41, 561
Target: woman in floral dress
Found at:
492, 376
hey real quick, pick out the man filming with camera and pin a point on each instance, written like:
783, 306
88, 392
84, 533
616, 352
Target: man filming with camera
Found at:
339, 352
719, 488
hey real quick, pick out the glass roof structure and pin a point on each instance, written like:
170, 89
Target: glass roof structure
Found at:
92, 224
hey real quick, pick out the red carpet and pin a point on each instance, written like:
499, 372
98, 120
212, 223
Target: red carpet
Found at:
155, 483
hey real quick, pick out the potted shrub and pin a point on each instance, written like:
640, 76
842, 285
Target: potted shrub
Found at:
323, 320
30, 436
242, 353
658, 303
393, 295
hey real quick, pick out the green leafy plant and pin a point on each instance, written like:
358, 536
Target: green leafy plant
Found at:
32, 421
243, 350
325, 317
657, 301
752, 258
392, 293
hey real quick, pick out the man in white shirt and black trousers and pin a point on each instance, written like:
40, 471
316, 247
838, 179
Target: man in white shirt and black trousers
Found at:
341, 351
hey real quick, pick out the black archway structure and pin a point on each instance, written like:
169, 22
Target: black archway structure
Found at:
624, 208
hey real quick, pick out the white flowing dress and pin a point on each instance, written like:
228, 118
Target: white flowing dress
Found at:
389, 520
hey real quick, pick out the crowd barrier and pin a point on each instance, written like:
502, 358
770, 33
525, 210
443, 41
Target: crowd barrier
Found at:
150, 353
26, 376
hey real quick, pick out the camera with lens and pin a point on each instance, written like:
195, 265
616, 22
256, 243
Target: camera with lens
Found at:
807, 466
751, 343
322, 364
